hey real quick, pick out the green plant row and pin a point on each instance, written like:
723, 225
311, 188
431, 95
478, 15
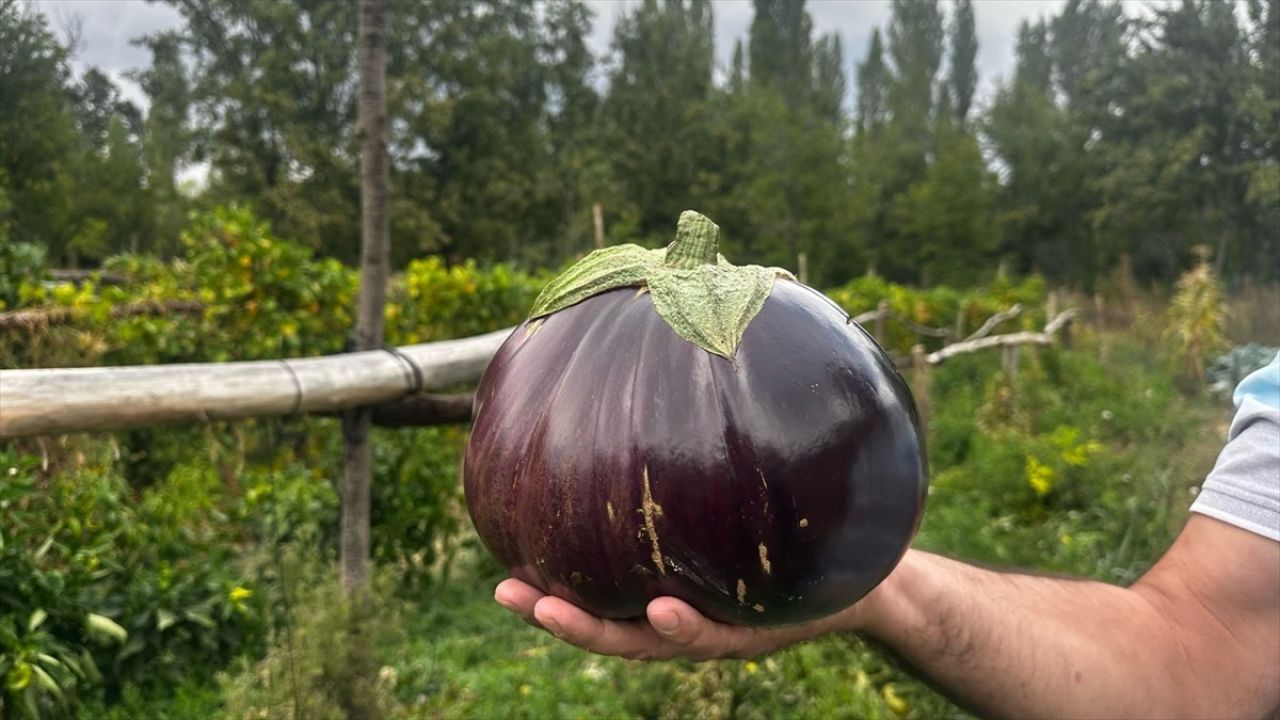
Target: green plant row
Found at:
941, 307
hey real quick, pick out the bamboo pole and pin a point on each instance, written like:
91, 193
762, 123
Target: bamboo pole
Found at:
46, 402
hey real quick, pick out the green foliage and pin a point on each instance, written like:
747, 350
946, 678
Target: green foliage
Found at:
173, 535
433, 302
1069, 468
263, 297
19, 263
98, 586
320, 661
939, 307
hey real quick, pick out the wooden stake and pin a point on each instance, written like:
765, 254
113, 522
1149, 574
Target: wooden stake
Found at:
597, 219
882, 314
920, 385
374, 268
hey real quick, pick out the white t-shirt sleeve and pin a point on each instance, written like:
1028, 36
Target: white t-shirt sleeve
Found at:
1243, 489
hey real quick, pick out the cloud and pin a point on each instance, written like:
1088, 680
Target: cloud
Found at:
106, 30
109, 26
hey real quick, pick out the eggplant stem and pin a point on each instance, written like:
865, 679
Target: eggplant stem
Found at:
697, 242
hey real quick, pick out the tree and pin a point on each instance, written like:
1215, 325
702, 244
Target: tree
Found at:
828, 79
657, 115
274, 100
374, 268
37, 121
962, 79
572, 111
1042, 174
915, 46
872, 84
781, 49
167, 135
947, 220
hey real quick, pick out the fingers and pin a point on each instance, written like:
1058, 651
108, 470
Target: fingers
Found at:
672, 628
518, 597
698, 638
634, 640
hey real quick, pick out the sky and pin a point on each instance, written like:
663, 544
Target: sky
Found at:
107, 27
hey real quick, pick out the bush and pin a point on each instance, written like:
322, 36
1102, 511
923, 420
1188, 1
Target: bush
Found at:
112, 586
939, 307
322, 661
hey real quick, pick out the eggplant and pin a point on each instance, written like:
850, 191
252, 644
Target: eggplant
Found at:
672, 432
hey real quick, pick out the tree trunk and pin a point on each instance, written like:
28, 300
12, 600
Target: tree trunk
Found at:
374, 268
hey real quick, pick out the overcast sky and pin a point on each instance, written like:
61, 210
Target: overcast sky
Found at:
108, 26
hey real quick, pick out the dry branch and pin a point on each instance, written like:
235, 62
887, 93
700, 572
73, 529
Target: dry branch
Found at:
37, 318
883, 311
101, 277
1044, 337
43, 402
866, 317
995, 320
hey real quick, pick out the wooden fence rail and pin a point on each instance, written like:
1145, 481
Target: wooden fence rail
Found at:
44, 402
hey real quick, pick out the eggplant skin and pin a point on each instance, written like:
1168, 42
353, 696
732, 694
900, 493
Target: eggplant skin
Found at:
612, 462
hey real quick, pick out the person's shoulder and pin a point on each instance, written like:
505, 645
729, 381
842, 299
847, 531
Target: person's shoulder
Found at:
1261, 386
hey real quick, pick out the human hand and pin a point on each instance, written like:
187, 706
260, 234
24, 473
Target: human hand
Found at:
671, 628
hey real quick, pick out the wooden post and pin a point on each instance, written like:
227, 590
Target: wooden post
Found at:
802, 267
1009, 361
958, 333
374, 268
920, 385
1100, 315
597, 220
882, 313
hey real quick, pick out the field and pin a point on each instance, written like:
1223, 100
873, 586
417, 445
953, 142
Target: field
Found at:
188, 571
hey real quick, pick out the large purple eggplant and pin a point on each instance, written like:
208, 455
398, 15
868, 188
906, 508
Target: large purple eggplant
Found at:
669, 424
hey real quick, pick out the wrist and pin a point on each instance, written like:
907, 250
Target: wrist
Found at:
885, 606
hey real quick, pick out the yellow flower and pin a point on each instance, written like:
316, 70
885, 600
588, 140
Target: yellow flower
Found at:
751, 667
239, 594
1039, 476
893, 700
525, 689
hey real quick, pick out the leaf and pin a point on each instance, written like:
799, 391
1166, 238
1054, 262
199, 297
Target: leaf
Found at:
133, 647
164, 619
711, 305
105, 627
89, 668
38, 616
200, 619
704, 298
601, 271
49, 683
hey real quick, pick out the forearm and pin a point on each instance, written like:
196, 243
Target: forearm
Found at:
1012, 645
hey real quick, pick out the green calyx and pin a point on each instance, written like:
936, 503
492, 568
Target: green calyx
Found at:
705, 299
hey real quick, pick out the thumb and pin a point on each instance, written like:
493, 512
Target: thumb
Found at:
680, 624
